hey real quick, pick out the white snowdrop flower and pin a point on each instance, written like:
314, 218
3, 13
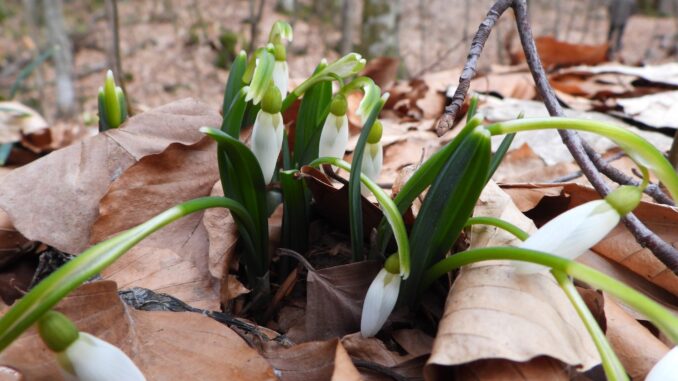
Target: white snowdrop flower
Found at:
666, 369
84, 357
373, 158
334, 134
267, 133
381, 298
572, 233
281, 76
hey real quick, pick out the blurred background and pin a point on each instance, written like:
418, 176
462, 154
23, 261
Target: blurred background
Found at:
54, 53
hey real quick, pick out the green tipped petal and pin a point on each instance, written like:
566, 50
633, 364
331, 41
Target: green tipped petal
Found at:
281, 30
262, 77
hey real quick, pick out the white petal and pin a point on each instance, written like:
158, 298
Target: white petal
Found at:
92, 359
379, 302
333, 140
666, 369
372, 162
281, 77
572, 233
264, 143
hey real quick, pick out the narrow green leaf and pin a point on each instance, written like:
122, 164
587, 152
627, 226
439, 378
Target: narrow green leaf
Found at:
295, 212
447, 206
312, 113
354, 204
233, 118
243, 181
499, 154
235, 82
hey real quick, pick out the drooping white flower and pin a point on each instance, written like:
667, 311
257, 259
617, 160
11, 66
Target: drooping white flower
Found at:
666, 369
572, 233
266, 141
373, 160
381, 298
281, 76
84, 357
92, 359
334, 135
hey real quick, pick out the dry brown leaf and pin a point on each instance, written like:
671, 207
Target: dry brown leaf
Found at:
663, 74
619, 246
636, 347
382, 70
164, 345
493, 313
174, 260
373, 350
317, 360
555, 53
334, 299
71, 181
517, 85
222, 233
523, 165
539, 369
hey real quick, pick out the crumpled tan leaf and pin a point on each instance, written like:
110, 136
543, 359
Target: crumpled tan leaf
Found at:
316, 360
493, 313
164, 345
55, 199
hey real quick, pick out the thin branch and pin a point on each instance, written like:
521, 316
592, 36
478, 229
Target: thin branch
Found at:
666, 253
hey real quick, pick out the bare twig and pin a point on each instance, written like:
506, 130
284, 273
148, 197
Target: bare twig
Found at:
666, 253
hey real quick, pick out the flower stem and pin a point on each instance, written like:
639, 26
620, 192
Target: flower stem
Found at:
614, 370
388, 207
501, 224
658, 315
639, 149
92, 261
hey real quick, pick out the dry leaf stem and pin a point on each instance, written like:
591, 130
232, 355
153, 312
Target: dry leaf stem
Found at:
588, 160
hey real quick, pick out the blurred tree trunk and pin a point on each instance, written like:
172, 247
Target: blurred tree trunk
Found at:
380, 28
63, 57
255, 17
347, 26
33, 23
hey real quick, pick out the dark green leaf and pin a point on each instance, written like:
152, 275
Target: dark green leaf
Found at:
235, 82
310, 118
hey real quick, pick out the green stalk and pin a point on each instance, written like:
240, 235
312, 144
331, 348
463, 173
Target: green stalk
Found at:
387, 206
658, 315
92, 261
614, 370
639, 149
501, 224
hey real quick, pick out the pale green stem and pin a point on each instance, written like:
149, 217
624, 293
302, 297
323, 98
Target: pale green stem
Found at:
92, 261
639, 149
614, 370
497, 222
387, 206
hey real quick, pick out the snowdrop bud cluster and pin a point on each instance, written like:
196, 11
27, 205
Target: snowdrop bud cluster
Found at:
267, 134
84, 357
112, 104
572, 233
334, 135
374, 152
381, 297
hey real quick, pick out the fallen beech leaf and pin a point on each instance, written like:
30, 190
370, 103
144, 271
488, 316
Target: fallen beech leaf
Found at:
556, 53
334, 299
72, 180
663, 74
317, 360
174, 260
373, 350
619, 246
523, 165
414, 341
514, 85
655, 110
540, 368
636, 347
164, 345
493, 313
222, 233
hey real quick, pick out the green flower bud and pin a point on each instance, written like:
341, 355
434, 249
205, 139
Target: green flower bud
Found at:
57, 331
392, 264
624, 199
272, 101
375, 133
279, 52
339, 105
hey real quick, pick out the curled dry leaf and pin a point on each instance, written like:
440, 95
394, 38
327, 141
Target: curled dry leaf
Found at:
317, 360
541, 368
164, 345
72, 180
555, 53
373, 351
493, 313
619, 246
